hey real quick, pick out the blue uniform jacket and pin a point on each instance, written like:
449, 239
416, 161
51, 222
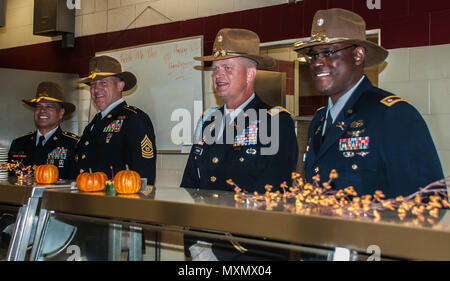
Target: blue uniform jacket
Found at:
59, 150
124, 137
209, 166
377, 142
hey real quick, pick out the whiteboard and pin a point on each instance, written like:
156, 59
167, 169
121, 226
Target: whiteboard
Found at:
166, 81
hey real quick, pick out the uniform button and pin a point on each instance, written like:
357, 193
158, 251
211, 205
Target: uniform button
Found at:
316, 170
86, 143
354, 167
241, 159
215, 160
83, 156
195, 157
213, 179
55, 138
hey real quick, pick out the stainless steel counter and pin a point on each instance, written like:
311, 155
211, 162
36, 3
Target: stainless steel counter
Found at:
14, 193
218, 211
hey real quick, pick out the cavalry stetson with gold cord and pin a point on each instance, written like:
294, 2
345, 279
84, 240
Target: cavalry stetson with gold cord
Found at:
231, 43
120, 134
105, 66
51, 92
341, 26
57, 146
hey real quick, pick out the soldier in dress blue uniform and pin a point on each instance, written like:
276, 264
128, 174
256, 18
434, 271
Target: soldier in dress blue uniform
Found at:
120, 134
374, 139
48, 144
231, 141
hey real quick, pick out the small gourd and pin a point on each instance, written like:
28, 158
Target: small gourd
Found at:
127, 182
89, 182
46, 174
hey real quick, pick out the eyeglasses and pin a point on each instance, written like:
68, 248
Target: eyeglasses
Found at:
327, 54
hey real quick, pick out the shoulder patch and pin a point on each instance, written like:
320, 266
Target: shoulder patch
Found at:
70, 135
205, 116
391, 100
131, 108
276, 110
210, 111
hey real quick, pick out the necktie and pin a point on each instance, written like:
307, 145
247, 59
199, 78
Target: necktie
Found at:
39, 155
96, 120
41, 141
328, 125
226, 123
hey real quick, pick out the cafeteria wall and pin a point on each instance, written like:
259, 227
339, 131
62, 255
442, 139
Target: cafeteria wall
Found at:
414, 31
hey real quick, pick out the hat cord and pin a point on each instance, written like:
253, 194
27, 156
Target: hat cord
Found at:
38, 99
94, 74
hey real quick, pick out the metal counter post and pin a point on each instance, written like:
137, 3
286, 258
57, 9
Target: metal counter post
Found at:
25, 227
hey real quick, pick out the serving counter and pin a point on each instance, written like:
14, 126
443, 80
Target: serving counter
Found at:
216, 214
181, 210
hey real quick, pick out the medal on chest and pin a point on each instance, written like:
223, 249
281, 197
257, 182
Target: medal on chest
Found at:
249, 135
113, 127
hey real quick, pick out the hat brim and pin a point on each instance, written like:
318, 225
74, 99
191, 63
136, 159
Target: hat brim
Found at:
375, 54
262, 61
128, 77
68, 107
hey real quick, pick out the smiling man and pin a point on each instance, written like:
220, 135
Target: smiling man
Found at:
48, 144
231, 139
245, 140
120, 134
374, 139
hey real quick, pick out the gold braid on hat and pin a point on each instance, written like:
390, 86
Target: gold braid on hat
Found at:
38, 99
223, 53
94, 74
317, 36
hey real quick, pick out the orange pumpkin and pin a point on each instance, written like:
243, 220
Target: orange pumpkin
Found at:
127, 182
46, 174
91, 181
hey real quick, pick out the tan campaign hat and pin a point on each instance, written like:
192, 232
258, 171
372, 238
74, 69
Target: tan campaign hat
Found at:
341, 26
105, 66
231, 43
51, 92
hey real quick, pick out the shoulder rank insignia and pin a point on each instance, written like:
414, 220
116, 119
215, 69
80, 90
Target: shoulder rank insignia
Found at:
147, 148
320, 108
27, 134
391, 100
131, 108
276, 110
70, 135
